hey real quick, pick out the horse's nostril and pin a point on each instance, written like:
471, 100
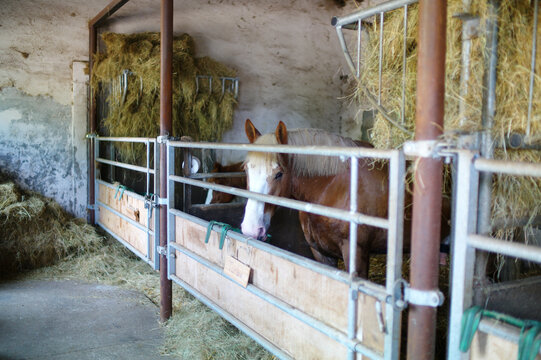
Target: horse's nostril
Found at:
261, 233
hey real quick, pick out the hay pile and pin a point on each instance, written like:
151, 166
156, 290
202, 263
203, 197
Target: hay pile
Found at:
516, 23
204, 115
35, 231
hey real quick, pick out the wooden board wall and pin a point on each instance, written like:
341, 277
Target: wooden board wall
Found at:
314, 294
490, 347
133, 207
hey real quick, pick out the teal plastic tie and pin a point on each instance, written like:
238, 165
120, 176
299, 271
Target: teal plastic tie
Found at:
120, 188
225, 229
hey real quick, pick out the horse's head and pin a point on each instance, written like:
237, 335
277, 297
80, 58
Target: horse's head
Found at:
266, 173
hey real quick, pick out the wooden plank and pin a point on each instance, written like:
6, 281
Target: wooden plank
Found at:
489, 347
318, 296
295, 338
134, 209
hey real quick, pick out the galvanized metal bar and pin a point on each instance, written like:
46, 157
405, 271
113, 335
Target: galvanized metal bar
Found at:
374, 10
427, 198
532, 67
517, 250
404, 64
395, 233
157, 216
137, 168
290, 203
508, 167
487, 145
94, 181
171, 219
353, 294
166, 128
127, 139
316, 324
364, 286
380, 61
232, 319
462, 255
113, 187
289, 149
217, 175
359, 31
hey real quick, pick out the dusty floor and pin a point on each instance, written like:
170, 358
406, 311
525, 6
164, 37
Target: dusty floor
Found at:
43, 319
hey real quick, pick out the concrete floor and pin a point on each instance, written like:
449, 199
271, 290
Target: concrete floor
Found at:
70, 320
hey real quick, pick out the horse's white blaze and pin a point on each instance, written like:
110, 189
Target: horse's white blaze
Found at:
256, 222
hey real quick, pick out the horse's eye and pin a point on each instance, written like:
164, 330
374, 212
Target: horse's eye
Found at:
278, 175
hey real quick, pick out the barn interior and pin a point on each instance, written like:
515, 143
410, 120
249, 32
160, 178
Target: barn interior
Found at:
232, 61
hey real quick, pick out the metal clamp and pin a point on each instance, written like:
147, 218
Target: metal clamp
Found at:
91, 135
161, 250
163, 139
161, 201
405, 295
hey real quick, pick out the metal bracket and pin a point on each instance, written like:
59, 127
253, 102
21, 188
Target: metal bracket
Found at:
91, 207
161, 250
163, 139
406, 295
421, 148
471, 25
161, 201
91, 135
432, 298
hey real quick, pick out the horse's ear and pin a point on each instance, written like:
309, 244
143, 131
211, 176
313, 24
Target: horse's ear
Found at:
281, 133
251, 131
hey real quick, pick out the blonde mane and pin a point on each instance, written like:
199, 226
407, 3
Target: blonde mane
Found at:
305, 165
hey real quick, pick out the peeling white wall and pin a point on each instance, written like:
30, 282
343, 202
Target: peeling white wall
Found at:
286, 53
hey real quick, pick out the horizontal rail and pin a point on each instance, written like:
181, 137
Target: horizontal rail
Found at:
340, 214
318, 325
373, 10
523, 251
124, 217
127, 139
232, 319
127, 192
125, 166
359, 152
507, 167
217, 175
364, 286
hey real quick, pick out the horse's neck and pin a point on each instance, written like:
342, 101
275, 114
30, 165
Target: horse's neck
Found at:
310, 188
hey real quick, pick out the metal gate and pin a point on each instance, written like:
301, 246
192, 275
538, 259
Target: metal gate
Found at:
130, 218
467, 240
293, 306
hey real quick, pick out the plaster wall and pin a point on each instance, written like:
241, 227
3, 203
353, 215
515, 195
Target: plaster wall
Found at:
286, 53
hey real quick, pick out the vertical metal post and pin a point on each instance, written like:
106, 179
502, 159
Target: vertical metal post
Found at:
427, 200
93, 40
404, 63
381, 17
353, 291
487, 147
171, 226
166, 102
463, 256
465, 70
94, 182
394, 251
157, 216
532, 66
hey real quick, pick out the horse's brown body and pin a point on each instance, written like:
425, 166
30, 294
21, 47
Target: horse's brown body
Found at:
329, 238
238, 182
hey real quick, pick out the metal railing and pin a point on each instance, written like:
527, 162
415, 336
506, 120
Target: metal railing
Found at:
148, 199
393, 224
466, 240
354, 21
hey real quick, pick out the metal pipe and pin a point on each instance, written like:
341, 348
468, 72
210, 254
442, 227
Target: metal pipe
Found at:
517, 250
508, 167
127, 139
232, 319
380, 62
366, 287
92, 119
427, 199
353, 294
141, 169
487, 145
166, 108
532, 67
374, 10
404, 63
217, 175
345, 215
314, 323
290, 149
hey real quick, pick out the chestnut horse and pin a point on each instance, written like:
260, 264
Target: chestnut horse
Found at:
216, 197
320, 180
